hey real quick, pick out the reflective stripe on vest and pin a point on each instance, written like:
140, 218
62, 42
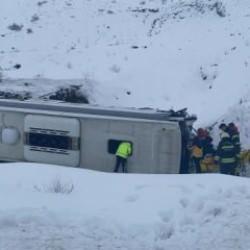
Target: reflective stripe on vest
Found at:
235, 137
227, 147
228, 160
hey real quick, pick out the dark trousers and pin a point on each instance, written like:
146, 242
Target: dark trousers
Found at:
197, 164
120, 161
228, 168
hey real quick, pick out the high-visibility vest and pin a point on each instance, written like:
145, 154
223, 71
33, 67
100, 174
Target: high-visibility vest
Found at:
124, 150
197, 152
228, 160
208, 165
226, 152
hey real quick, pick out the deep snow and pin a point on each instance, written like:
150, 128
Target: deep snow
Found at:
163, 54
117, 211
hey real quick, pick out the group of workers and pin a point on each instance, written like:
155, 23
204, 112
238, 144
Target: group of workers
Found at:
205, 158
225, 159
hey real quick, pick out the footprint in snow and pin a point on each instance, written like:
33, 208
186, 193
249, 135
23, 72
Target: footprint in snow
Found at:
132, 198
242, 190
164, 232
198, 205
199, 185
214, 211
228, 194
184, 202
140, 187
187, 221
166, 216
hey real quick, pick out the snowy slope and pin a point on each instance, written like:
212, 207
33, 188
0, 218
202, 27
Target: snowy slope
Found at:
116, 211
163, 54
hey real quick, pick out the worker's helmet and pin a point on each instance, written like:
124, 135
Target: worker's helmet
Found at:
232, 127
201, 132
223, 126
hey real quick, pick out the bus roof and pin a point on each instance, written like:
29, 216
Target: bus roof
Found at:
88, 109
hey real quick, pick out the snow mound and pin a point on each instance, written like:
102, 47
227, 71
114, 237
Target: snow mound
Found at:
109, 211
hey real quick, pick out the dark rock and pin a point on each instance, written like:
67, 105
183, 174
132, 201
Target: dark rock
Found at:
15, 27
40, 3
29, 31
17, 66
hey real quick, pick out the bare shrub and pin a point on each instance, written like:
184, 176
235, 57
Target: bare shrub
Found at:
21, 95
40, 3
220, 9
73, 94
34, 18
56, 186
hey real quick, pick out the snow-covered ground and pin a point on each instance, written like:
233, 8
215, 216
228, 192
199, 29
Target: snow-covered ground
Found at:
116, 211
161, 53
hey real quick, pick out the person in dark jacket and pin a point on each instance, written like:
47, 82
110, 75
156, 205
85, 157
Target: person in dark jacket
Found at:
208, 147
197, 149
235, 137
226, 154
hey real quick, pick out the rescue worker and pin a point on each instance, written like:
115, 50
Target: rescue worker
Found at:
197, 149
124, 150
226, 154
223, 127
208, 163
235, 138
208, 144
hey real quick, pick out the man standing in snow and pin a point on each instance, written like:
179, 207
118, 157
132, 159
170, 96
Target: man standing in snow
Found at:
123, 152
226, 154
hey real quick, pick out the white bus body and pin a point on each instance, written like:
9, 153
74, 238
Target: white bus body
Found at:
87, 136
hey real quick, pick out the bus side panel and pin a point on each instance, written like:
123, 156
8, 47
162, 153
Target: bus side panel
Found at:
95, 137
156, 148
167, 145
12, 152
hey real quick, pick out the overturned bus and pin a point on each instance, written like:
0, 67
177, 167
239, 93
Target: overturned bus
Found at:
87, 136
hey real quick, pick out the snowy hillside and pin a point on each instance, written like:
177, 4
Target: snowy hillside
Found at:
154, 53
115, 211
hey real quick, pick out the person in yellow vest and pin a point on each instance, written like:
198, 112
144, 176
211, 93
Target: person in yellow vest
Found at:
123, 152
197, 149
